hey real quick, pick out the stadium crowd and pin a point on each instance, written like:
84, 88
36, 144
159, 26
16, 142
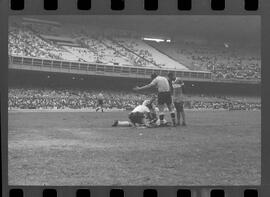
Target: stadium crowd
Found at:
74, 99
225, 61
24, 42
37, 98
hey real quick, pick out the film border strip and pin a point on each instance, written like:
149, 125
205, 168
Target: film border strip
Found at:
197, 7
136, 191
148, 4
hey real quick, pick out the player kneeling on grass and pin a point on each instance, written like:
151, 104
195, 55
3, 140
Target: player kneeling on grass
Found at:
142, 115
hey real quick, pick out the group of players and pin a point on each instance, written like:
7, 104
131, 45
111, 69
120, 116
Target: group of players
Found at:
170, 95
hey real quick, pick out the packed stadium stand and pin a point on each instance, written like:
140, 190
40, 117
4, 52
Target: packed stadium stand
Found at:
24, 42
149, 53
103, 53
82, 53
226, 61
67, 98
223, 60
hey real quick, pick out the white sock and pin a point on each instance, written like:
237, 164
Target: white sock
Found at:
124, 124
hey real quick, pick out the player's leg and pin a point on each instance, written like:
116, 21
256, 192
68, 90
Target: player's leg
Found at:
183, 114
172, 113
161, 105
170, 106
178, 114
124, 124
118, 123
161, 113
184, 119
101, 105
98, 107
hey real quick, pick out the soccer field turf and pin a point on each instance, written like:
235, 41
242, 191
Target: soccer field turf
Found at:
80, 148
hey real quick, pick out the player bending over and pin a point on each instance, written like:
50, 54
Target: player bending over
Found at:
164, 96
142, 115
100, 99
178, 97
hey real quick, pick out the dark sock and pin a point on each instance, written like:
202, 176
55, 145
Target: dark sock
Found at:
178, 117
115, 123
161, 117
173, 117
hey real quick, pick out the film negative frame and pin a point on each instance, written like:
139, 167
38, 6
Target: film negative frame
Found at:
136, 7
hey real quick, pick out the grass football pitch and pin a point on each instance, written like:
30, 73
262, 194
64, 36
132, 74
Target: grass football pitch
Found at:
81, 148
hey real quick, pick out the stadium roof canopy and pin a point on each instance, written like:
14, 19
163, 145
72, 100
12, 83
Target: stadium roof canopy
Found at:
236, 28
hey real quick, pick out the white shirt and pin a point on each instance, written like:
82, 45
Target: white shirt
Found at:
141, 109
161, 83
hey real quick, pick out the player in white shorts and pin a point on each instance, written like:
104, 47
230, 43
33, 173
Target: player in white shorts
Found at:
164, 96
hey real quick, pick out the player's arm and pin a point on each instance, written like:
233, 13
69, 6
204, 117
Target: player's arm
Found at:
181, 82
153, 83
144, 87
153, 98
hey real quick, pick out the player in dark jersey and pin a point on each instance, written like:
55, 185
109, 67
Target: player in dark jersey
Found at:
178, 98
100, 99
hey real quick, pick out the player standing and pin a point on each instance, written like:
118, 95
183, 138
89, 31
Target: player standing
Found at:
100, 99
178, 97
164, 96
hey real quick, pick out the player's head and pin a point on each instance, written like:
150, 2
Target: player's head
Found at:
147, 103
171, 76
153, 76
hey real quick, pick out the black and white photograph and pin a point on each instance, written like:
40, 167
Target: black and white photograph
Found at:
134, 100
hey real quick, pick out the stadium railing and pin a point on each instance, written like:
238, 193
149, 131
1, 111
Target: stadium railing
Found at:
51, 65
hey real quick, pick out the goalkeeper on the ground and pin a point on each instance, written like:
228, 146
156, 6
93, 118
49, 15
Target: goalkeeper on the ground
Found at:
142, 115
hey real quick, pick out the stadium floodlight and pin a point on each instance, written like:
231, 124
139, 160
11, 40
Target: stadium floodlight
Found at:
154, 39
